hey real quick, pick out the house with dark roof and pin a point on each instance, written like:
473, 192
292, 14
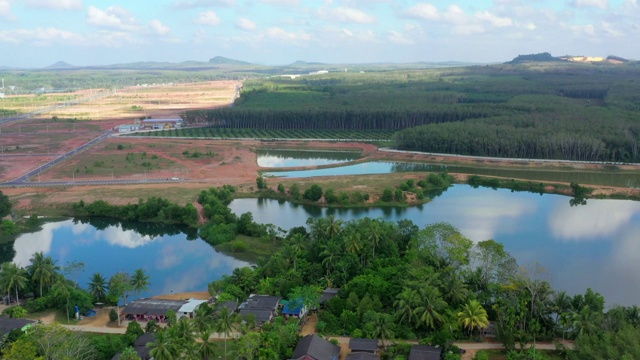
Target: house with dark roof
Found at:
151, 309
140, 346
424, 352
362, 356
313, 347
231, 306
363, 345
262, 307
328, 294
8, 324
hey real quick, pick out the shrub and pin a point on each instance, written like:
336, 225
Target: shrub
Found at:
113, 315
281, 188
481, 355
314, 193
238, 246
387, 195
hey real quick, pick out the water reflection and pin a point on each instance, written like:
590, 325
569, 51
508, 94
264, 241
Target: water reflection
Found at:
107, 246
596, 245
294, 158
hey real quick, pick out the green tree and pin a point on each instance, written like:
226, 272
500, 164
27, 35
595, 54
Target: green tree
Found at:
129, 353
224, 323
430, 307
405, 304
387, 195
21, 349
382, 328
42, 270
62, 290
119, 287
164, 347
98, 287
314, 193
473, 316
12, 277
5, 205
139, 281
261, 182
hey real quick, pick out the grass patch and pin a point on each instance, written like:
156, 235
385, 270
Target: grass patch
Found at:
255, 248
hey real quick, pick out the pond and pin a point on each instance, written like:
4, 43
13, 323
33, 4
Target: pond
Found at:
607, 178
276, 158
596, 245
174, 263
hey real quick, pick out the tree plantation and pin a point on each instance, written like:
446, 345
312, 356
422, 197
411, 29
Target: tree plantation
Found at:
548, 111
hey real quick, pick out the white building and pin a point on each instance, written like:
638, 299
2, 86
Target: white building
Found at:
189, 308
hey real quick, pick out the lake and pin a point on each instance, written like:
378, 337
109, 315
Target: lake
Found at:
607, 178
280, 158
173, 263
596, 245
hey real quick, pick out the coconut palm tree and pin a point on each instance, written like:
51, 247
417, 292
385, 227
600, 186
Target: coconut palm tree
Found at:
430, 304
98, 286
42, 269
374, 236
163, 348
382, 328
139, 281
13, 277
405, 305
454, 290
331, 253
473, 316
203, 319
62, 290
332, 227
225, 324
353, 243
206, 350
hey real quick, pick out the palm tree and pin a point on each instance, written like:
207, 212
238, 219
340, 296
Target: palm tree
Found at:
62, 290
182, 333
225, 324
374, 237
98, 286
163, 348
203, 319
206, 350
382, 328
353, 243
331, 254
13, 277
473, 316
454, 290
139, 281
405, 304
332, 227
584, 321
430, 304
42, 269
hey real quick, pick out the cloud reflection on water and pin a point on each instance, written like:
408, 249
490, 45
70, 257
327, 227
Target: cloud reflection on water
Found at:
598, 218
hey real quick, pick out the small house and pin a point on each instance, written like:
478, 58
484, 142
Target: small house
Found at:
151, 309
8, 324
140, 346
363, 345
262, 307
362, 356
189, 308
313, 347
294, 308
424, 352
328, 294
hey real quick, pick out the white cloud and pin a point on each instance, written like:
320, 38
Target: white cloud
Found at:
114, 17
602, 4
246, 24
190, 4
494, 20
581, 30
208, 18
55, 4
5, 9
282, 35
424, 11
289, 3
158, 27
598, 218
399, 38
346, 14
41, 36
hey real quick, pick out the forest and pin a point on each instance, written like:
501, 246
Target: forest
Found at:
582, 112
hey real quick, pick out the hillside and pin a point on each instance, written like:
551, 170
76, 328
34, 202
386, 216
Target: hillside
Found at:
60, 65
221, 60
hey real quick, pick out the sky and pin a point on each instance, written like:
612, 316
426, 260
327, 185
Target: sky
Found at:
38, 33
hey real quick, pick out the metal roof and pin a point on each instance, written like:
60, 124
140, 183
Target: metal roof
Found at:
370, 345
150, 306
161, 120
362, 356
316, 348
424, 352
7, 324
191, 305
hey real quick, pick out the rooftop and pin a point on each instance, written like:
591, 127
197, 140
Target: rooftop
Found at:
191, 305
369, 345
424, 352
317, 348
7, 324
362, 356
148, 306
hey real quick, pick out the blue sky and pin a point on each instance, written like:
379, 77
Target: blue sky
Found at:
37, 33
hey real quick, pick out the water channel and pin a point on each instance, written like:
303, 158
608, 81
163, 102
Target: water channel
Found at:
596, 245
280, 158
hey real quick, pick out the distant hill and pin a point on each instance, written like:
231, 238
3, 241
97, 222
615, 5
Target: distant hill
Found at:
305, 63
540, 57
60, 65
227, 61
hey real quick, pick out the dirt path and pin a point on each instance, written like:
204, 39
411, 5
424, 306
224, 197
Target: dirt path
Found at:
310, 325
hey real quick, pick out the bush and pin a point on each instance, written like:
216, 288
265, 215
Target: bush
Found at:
481, 355
113, 315
16, 312
314, 193
281, 189
387, 195
238, 246
330, 196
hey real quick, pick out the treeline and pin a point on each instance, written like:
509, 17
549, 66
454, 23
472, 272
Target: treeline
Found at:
335, 119
153, 209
